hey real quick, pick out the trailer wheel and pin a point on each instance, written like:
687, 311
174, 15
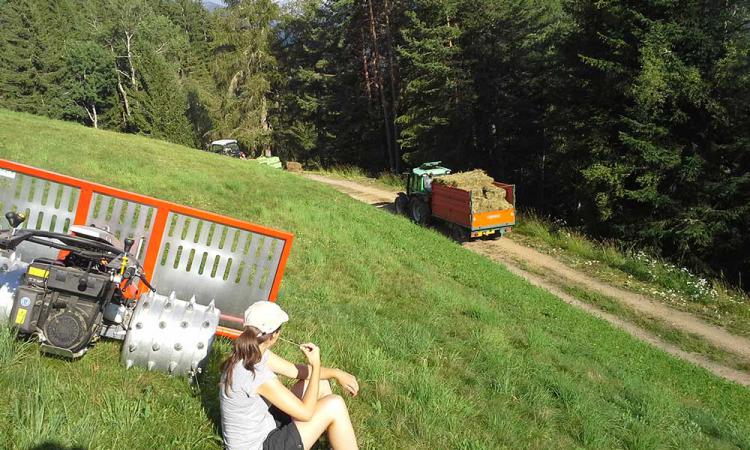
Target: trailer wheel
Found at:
401, 204
419, 211
459, 234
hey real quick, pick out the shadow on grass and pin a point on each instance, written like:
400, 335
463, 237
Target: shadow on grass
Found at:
208, 386
388, 206
54, 446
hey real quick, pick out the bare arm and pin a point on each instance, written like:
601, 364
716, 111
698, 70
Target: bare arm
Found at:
285, 400
283, 367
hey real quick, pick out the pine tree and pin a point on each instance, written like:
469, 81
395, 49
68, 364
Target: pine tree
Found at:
437, 97
242, 63
88, 82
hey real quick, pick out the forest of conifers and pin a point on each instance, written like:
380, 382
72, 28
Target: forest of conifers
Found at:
628, 119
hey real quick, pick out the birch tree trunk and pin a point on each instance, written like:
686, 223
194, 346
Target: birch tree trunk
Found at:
92, 115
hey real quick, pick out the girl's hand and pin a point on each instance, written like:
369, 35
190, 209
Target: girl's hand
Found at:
312, 353
348, 382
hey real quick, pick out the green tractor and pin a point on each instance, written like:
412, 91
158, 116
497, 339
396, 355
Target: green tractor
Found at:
415, 202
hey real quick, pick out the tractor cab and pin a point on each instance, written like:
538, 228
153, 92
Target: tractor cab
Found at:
420, 179
416, 200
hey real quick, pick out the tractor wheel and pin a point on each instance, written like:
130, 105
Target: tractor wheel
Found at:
419, 211
460, 234
401, 204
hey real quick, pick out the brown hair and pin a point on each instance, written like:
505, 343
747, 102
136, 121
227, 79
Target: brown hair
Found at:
246, 348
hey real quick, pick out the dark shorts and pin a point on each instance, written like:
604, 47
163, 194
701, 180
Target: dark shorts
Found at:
285, 436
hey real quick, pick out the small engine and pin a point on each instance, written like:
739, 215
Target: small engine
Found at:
63, 305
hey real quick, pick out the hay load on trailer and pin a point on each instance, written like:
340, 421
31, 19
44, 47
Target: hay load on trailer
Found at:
485, 195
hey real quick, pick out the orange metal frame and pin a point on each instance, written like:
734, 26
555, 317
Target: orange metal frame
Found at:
163, 208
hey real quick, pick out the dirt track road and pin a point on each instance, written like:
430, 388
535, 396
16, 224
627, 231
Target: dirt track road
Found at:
509, 252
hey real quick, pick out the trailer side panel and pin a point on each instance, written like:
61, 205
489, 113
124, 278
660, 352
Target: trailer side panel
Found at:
451, 204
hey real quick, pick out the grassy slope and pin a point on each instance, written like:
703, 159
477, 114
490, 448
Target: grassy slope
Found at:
451, 350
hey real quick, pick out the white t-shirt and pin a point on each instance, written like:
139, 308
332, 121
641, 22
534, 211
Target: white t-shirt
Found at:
245, 420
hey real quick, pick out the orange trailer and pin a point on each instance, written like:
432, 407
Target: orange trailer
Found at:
454, 206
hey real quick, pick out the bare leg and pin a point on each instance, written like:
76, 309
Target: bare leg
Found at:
331, 416
324, 388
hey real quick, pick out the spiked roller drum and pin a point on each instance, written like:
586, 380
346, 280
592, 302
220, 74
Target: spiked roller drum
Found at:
170, 335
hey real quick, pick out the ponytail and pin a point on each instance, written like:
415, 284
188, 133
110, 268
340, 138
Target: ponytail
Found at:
246, 348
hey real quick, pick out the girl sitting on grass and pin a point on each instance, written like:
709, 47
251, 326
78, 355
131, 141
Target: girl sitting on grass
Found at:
297, 418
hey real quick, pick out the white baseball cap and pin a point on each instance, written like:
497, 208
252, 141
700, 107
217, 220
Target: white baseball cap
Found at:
265, 316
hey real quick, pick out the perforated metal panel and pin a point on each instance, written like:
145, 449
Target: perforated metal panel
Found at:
48, 206
124, 219
214, 261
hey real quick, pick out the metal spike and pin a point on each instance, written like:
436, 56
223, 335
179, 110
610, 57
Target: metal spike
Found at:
132, 347
128, 364
192, 299
211, 306
150, 365
172, 366
172, 295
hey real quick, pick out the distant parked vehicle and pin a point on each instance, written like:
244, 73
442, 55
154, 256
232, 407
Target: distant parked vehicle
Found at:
227, 147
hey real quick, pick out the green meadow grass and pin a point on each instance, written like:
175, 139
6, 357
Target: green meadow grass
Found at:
451, 350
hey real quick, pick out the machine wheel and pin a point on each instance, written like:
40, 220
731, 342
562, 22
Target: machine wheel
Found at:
460, 234
419, 211
401, 204
12, 271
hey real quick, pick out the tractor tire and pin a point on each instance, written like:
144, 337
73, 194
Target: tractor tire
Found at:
401, 204
419, 211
